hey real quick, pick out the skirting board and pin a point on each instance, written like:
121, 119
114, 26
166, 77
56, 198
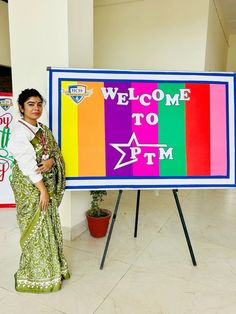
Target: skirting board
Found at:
70, 234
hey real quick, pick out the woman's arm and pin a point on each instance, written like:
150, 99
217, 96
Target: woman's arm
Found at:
44, 196
23, 152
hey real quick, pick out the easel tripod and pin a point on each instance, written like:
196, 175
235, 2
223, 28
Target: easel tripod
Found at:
175, 193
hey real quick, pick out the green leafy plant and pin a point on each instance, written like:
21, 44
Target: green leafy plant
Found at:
97, 198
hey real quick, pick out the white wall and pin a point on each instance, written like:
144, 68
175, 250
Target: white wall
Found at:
150, 34
80, 23
217, 41
38, 39
4, 35
231, 60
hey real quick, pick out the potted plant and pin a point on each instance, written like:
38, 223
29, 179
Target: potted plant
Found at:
98, 217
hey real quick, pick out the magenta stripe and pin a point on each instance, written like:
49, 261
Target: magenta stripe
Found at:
118, 131
145, 133
218, 129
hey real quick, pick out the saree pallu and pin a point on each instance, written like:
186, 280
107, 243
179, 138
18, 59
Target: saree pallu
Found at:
42, 263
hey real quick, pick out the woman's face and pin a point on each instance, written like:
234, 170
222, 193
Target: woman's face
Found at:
32, 110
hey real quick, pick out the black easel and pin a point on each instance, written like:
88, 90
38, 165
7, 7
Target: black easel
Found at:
111, 228
184, 227
175, 191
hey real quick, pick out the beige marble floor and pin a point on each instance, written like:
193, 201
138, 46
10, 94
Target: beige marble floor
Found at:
150, 274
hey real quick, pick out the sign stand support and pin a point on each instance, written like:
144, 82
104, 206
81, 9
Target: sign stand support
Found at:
175, 191
137, 214
111, 228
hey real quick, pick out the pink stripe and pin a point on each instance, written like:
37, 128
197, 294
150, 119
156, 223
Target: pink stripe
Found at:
218, 129
145, 133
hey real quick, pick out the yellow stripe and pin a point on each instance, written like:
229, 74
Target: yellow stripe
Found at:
69, 131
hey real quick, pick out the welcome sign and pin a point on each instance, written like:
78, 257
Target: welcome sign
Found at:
132, 129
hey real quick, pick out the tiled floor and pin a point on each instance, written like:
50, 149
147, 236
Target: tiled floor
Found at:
150, 274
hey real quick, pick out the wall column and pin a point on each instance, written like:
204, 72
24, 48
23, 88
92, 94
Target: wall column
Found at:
56, 33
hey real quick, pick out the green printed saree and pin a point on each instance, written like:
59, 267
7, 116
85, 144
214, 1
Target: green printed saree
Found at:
42, 263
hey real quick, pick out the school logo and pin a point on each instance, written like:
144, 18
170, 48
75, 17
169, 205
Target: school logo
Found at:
78, 92
5, 103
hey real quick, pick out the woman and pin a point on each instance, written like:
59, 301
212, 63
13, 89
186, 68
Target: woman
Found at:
38, 184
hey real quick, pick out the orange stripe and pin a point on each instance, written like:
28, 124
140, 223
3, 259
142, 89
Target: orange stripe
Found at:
91, 132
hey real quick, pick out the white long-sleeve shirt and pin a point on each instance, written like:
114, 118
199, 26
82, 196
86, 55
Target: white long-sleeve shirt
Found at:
22, 150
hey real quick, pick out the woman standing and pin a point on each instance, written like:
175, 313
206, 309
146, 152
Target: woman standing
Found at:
38, 181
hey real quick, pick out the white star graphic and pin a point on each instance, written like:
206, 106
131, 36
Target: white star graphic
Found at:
134, 139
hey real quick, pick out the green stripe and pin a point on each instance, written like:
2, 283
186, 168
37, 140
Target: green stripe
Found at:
171, 131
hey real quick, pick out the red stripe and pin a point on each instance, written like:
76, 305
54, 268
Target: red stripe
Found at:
5, 94
7, 205
198, 130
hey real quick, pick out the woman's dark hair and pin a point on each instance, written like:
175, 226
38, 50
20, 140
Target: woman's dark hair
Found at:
26, 94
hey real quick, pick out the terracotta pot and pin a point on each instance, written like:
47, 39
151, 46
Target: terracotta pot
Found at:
98, 225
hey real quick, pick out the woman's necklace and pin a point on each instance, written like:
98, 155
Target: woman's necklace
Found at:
42, 141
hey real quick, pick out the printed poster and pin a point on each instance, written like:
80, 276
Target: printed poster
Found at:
140, 129
6, 160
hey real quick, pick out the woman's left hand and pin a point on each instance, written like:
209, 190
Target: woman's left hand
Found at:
45, 165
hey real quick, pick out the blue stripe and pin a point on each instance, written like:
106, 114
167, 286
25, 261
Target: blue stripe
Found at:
139, 186
67, 70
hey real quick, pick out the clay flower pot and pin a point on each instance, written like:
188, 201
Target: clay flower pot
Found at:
98, 225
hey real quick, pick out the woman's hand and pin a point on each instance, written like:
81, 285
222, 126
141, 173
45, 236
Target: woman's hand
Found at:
44, 196
44, 199
45, 165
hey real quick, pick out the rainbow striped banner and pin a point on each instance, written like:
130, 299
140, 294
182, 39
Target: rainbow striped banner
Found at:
130, 129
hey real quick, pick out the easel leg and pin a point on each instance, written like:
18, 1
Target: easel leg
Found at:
184, 227
136, 215
111, 228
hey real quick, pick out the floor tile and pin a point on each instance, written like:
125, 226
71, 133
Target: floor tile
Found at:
152, 273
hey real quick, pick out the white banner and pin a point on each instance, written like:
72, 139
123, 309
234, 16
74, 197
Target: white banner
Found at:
6, 160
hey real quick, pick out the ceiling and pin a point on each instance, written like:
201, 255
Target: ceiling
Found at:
228, 9
229, 12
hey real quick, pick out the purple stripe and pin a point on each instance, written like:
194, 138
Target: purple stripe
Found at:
118, 129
